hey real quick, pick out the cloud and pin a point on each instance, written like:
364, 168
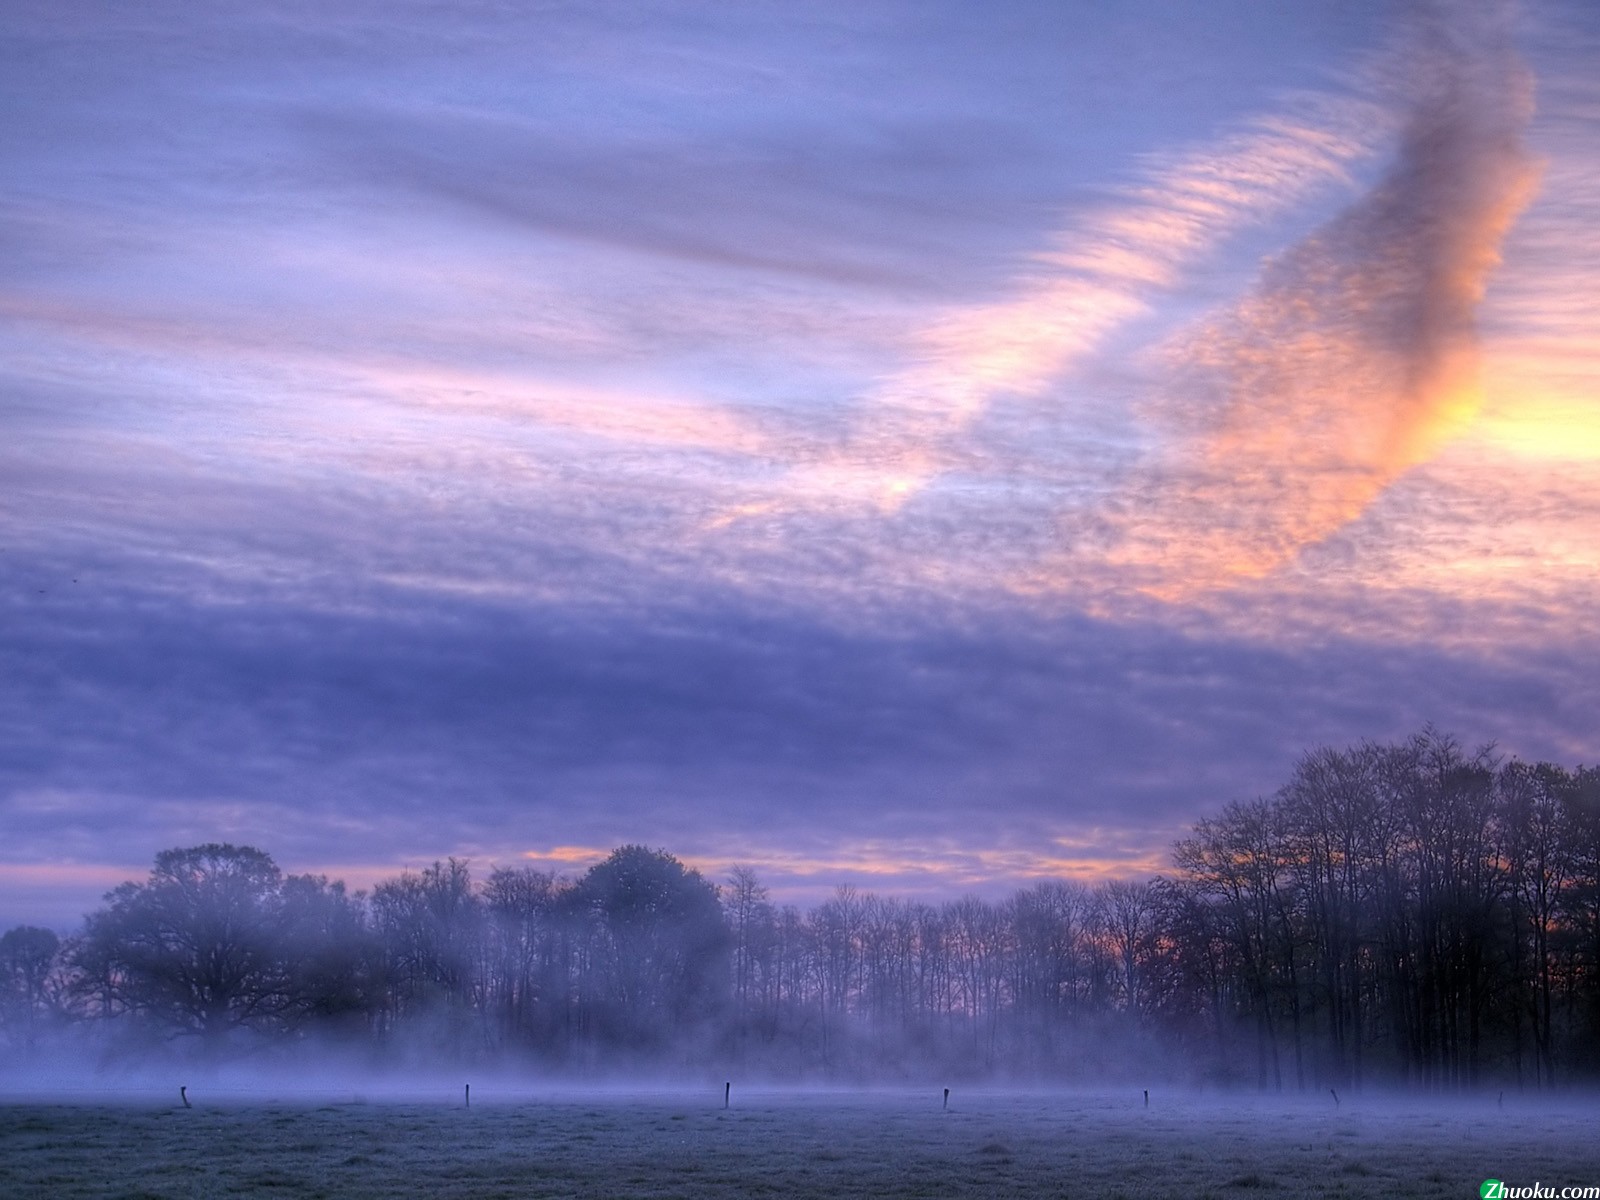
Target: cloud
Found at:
373, 408
1355, 358
337, 728
1099, 273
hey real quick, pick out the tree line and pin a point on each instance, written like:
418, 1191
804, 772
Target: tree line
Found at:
1406, 912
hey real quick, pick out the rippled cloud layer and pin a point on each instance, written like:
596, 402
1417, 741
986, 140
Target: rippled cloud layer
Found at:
884, 444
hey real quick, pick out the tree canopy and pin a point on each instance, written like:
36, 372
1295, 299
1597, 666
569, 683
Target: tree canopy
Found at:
1410, 912
215, 943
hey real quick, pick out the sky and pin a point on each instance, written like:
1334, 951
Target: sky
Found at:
918, 445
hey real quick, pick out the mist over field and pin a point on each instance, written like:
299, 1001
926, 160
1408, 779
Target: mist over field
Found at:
1410, 915
1380, 977
883, 1143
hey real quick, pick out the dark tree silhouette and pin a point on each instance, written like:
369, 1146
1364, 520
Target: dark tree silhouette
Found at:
1411, 912
527, 956
27, 959
659, 944
199, 949
331, 962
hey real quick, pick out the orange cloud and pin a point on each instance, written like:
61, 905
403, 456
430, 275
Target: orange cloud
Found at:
942, 866
567, 856
937, 868
1356, 356
1097, 273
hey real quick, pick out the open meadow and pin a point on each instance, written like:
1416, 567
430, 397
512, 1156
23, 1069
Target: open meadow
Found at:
770, 1143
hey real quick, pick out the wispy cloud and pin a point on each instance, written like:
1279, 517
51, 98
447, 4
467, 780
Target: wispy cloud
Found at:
1356, 356
1098, 272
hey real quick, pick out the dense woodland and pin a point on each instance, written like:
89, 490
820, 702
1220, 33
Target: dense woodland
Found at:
1405, 913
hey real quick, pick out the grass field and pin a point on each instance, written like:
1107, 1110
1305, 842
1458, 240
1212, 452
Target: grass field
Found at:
990, 1144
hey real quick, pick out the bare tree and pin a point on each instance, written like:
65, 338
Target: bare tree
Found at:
196, 948
27, 965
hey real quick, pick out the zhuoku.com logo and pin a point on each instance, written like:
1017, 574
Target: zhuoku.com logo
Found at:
1497, 1189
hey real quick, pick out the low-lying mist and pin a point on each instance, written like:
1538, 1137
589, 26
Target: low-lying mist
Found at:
1408, 915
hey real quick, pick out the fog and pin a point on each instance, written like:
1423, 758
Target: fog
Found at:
1410, 916
551, 1141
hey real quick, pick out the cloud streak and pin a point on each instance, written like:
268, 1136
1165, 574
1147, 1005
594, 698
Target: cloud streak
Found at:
1097, 274
728, 733
1356, 356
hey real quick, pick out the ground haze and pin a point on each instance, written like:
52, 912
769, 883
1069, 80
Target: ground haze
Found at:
771, 1143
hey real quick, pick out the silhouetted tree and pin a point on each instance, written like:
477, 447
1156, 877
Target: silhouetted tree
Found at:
331, 961
750, 920
526, 955
196, 949
430, 925
1405, 912
660, 947
27, 962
